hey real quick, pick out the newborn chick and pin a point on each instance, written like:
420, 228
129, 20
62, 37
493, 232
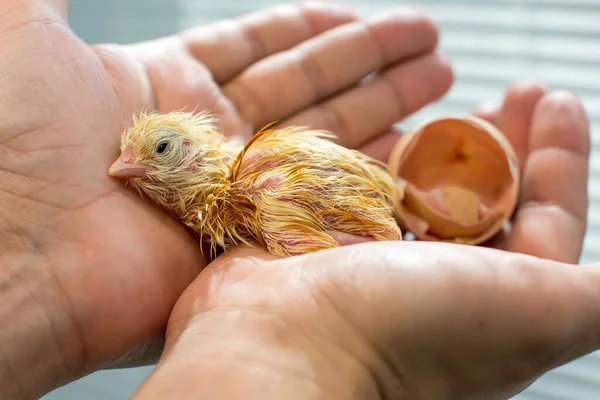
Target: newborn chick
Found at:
293, 190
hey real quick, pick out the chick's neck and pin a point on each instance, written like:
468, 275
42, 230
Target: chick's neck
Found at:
202, 186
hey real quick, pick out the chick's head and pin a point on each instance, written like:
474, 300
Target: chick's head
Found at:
170, 157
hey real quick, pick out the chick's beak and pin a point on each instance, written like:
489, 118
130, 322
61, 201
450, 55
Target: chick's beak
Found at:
126, 166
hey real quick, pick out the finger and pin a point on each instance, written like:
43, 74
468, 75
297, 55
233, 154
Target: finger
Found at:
228, 47
516, 115
175, 81
360, 114
490, 112
285, 83
235, 256
554, 198
381, 147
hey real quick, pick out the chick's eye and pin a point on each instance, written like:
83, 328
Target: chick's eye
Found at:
161, 147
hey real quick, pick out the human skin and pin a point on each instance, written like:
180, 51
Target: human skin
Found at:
408, 320
89, 273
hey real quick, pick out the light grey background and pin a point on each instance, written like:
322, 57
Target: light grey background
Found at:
491, 42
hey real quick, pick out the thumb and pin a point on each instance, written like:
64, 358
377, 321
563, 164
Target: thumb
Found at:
241, 261
218, 281
586, 305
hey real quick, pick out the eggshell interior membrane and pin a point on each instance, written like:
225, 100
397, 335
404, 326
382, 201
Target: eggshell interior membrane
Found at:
458, 178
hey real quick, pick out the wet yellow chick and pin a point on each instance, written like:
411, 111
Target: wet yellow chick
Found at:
293, 190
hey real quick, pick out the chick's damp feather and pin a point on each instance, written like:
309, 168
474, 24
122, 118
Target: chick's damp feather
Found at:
292, 189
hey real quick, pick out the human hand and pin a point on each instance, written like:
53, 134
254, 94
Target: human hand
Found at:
380, 320
95, 270
550, 134
405, 320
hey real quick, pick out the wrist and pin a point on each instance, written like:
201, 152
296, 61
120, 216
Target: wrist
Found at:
240, 353
40, 347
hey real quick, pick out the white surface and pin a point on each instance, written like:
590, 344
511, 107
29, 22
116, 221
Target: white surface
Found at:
491, 42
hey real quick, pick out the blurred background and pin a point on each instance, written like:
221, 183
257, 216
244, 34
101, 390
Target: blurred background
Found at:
491, 42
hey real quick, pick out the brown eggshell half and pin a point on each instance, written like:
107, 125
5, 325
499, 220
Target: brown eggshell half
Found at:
458, 180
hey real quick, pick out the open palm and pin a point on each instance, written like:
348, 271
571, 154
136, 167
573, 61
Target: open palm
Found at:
115, 263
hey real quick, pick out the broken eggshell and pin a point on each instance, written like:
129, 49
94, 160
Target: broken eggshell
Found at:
458, 180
